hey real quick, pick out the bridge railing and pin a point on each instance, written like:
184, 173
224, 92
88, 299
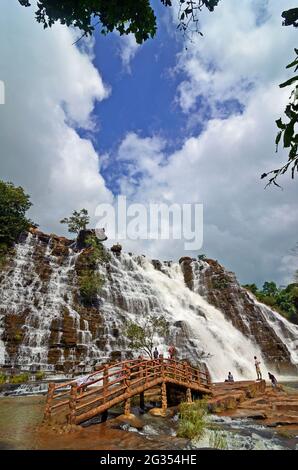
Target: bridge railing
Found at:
80, 395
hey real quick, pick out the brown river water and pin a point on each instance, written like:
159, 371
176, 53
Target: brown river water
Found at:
20, 419
21, 416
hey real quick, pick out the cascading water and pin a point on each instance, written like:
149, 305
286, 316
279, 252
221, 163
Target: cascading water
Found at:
286, 331
135, 285
24, 290
3, 353
54, 319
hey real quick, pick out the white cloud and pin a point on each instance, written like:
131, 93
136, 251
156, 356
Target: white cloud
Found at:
235, 53
247, 228
128, 48
51, 87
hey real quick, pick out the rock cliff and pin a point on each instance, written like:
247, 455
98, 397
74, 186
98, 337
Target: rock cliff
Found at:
61, 307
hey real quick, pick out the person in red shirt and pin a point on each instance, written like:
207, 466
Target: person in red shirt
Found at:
172, 351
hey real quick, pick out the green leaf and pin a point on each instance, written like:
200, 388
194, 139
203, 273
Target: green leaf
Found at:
289, 82
278, 137
280, 124
295, 62
288, 134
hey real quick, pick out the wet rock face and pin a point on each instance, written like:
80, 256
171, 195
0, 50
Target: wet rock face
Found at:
43, 324
221, 289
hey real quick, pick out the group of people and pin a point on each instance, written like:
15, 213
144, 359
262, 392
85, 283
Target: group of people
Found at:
259, 374
172, 353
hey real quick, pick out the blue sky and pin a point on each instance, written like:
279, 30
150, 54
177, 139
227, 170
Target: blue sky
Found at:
169, 121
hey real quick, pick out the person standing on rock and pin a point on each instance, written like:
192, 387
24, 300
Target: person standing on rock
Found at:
258, 370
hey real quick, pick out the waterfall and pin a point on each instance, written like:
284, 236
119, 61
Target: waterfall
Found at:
39, 296
286, 331
135, 285
3, 353
23, 290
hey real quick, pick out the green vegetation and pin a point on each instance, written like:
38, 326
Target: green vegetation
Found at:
90, 284
18, 336
77, 221
218, 440
89, 280
2, 379
127, 16
98, 252
19, 379
40, 375
14, 204
141, 336
220, 283
192, 419
286, 129
282, 299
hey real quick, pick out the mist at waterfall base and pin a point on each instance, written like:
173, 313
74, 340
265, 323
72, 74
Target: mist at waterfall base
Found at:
132, 290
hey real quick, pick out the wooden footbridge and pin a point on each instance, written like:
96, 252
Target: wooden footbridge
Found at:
81, 399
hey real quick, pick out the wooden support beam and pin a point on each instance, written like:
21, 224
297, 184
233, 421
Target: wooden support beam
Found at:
48, 408
127, 391
127, 407
188, 395
164, 403
142, 400
73, 404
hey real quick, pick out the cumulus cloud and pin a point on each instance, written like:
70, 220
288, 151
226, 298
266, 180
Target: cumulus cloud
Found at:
51, 87
250, 230
236, 53
128, 48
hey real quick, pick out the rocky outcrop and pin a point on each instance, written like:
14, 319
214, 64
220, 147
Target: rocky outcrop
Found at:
221, 289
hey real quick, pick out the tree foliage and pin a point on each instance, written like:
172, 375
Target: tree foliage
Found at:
287, 133
125, 16
142, 335
14, 204
77, 221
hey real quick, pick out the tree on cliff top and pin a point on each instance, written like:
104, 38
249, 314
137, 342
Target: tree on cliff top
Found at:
77, 221
14, 204
141, 336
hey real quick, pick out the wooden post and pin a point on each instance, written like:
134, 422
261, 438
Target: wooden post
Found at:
105, 382
162, 367
142, 400
164, 403
50, 395
188, 396
127, 383
104, 416
73, 404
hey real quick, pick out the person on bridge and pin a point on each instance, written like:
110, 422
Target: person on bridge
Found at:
258, 370
273, 380
155, 353
172, 351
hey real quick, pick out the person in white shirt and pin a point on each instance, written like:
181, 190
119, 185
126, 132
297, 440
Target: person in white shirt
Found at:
258, 370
